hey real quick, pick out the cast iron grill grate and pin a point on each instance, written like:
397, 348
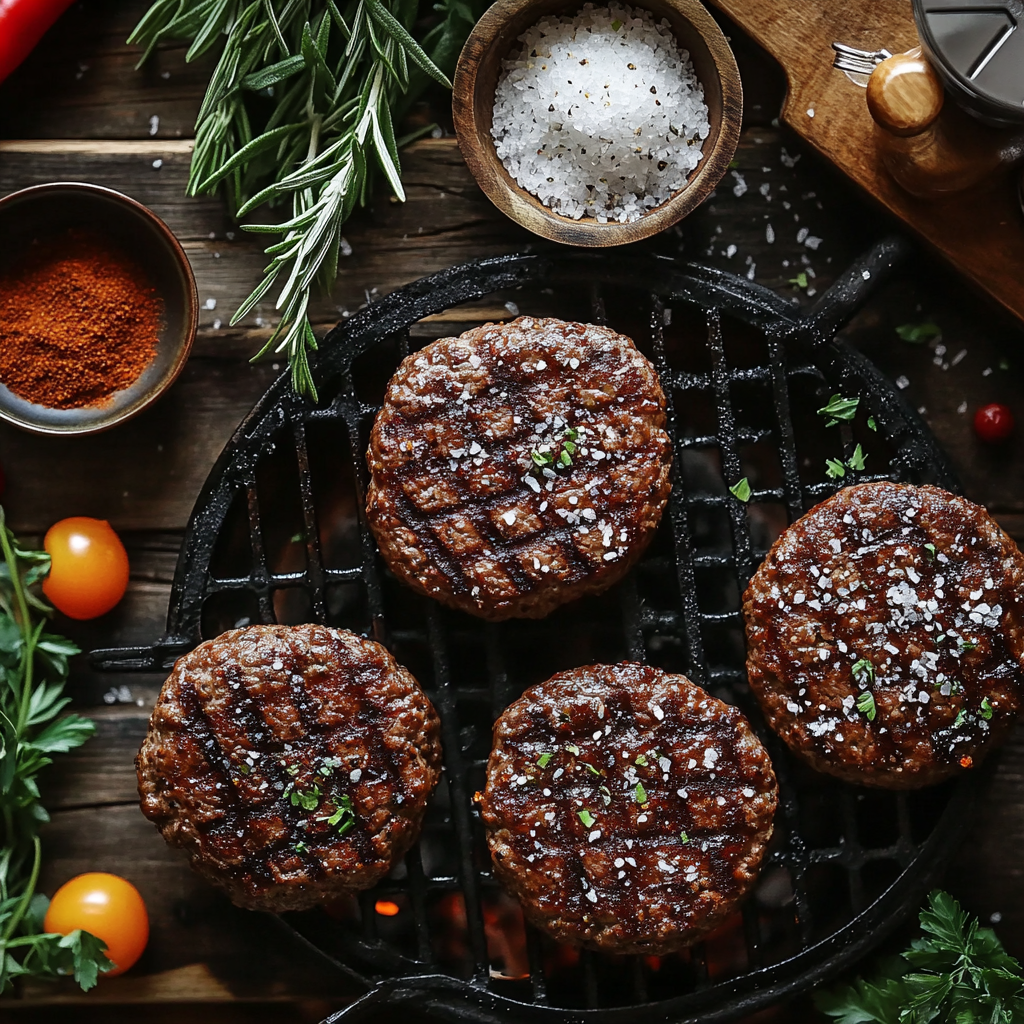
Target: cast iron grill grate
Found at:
278, 535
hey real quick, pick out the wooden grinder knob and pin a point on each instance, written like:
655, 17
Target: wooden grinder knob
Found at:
904, 94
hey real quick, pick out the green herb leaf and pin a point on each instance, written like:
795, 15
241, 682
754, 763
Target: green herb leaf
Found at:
300, 847
866, 705
565, 458
684, 837
956, 973
918, 333
872, 425
640, 794
857, 459
961, 717
542, 458
88, 957
573, 749
586, 817
544, 760
641, 759
590, 768
839, 408
863, 671
986, 709
834, 469
800, 281
930, 548
616, 25
741, 490
606, 795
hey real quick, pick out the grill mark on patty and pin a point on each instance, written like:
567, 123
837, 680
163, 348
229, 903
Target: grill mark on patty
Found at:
893, 576
412, 446
362, 693
581, 878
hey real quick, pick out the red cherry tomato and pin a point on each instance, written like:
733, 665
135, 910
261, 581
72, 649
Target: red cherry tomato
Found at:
107, 906
993, 422
89, 567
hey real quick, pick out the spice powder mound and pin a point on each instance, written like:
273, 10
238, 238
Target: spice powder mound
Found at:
79, 321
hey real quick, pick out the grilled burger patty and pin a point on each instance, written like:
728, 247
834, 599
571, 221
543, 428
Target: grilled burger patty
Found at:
627, 809
518, 467
291, 763
885, 634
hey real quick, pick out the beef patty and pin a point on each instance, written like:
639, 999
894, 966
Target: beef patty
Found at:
518, 467
292, 764
627, 809
885, 634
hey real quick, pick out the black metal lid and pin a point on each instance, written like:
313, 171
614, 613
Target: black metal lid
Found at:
978, 48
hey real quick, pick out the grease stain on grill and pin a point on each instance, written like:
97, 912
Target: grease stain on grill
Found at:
739, 397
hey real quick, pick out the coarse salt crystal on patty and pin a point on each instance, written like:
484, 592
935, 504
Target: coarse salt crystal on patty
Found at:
600, 114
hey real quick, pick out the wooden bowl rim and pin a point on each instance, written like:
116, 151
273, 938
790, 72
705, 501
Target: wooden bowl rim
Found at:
524, 208
190, 314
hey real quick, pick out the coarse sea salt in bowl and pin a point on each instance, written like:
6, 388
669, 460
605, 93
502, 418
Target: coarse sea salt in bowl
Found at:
613, 153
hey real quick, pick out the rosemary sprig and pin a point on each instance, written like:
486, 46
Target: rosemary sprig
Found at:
323, 82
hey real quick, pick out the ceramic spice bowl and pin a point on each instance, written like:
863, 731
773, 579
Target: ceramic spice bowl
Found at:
47, 212
476, 78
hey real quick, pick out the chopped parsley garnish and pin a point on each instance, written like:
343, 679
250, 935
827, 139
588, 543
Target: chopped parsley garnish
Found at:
616, 25
544, 760
917, 333
573, 749
872, 425
839, 408
590, 768
344, 817
965, 645
641, 760
243, 769
298, 538
544, 457
800, 281
866, 704
640, 794
300, 847
684, 837
863, 671
741, 490
960, 718
834, 469
606, 795
930, 548
307, 799
586, 817
857, 459
986, 709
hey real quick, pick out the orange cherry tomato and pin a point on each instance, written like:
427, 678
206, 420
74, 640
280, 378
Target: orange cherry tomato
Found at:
107, 906
89, 567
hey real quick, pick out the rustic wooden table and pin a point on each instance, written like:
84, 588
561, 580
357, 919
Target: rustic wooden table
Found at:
79, 110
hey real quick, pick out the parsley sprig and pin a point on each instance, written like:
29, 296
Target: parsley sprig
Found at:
958, 972
33, 669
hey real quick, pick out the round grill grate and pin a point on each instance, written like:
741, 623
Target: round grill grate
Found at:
278, 535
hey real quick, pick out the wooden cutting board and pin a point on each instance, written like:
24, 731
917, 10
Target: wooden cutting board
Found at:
981, 234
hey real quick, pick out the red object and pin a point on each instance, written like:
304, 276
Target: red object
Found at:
993, 422
106, 906
88, 567
22, 25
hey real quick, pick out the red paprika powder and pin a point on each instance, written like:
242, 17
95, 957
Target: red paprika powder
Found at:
79, 321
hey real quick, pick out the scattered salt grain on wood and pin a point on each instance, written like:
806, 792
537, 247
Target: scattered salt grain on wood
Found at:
601, 114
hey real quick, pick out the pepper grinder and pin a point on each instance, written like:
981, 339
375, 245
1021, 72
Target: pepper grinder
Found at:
933, 148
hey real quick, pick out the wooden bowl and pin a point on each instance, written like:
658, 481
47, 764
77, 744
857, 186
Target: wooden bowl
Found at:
43, 211
476, 78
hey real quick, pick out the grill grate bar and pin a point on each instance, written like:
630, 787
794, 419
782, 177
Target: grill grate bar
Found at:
314, 576
455, 769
